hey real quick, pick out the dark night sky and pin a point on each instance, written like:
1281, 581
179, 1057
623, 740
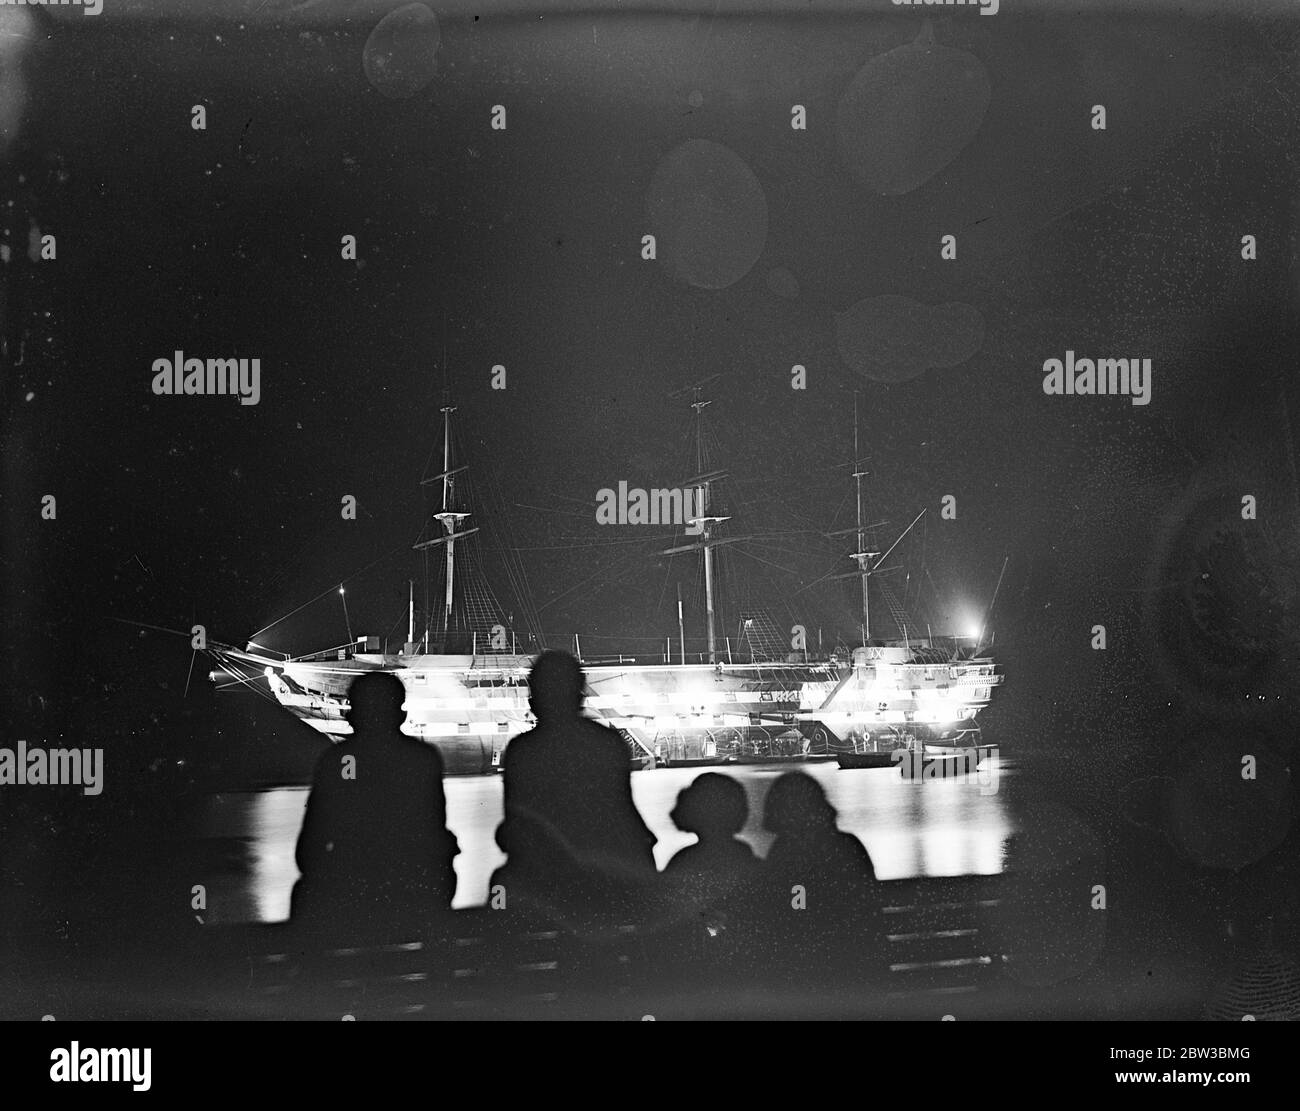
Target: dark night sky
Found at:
522, 247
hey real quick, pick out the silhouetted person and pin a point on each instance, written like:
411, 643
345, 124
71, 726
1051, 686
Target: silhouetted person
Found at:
711, 877
375, 854
709, 888
819, 898
578, 851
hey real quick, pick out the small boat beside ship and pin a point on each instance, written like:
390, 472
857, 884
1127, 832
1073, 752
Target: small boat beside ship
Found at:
943, 754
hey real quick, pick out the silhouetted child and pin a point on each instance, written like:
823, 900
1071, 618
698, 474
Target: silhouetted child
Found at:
709, 886
719, 866
375, 853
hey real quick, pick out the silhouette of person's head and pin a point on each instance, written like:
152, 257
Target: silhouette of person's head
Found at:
375, 703
555, 686
797, 805
712, 805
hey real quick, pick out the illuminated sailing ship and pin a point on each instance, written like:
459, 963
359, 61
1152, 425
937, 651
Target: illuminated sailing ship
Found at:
467, 679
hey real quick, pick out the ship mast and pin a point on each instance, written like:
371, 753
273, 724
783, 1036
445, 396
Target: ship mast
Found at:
863, 556
707, 521
450, 520
702, 481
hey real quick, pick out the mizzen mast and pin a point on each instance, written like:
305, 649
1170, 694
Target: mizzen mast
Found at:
863, 556
869, 562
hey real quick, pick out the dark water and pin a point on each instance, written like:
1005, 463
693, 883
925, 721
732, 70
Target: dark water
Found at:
934, 828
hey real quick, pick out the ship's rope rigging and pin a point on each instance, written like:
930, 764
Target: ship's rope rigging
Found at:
752, 499
331, 589
460, 493
499, 527
476, 607
628, 562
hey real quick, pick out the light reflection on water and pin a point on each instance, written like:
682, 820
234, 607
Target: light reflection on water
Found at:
936, 828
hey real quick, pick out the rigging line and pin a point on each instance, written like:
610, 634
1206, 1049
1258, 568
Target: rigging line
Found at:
232, 669
648, 638
433, 443
524, 595
767, 545
146, 625
516, 572
530, 599
550, 509
821, 579
313, 657
835, 517
329, 590
616, 580
668, 569
531, 614
583, 544
243, 681
768, 562
811, 472
568, 497
933, 585
389, 635
424, 471
578, 586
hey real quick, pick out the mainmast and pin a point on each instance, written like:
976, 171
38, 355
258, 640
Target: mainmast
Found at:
703, 481
449, 518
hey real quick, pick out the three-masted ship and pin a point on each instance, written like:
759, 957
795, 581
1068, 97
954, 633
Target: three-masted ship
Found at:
466, 674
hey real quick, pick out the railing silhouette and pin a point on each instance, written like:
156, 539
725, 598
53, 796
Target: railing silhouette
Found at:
934, 948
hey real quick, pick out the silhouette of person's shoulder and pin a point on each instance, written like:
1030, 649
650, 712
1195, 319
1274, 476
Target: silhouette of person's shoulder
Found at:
851, 852
834, 849
730, 854
526, 751
595, 743
393, 756
329, 768
415, 755
606, 741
